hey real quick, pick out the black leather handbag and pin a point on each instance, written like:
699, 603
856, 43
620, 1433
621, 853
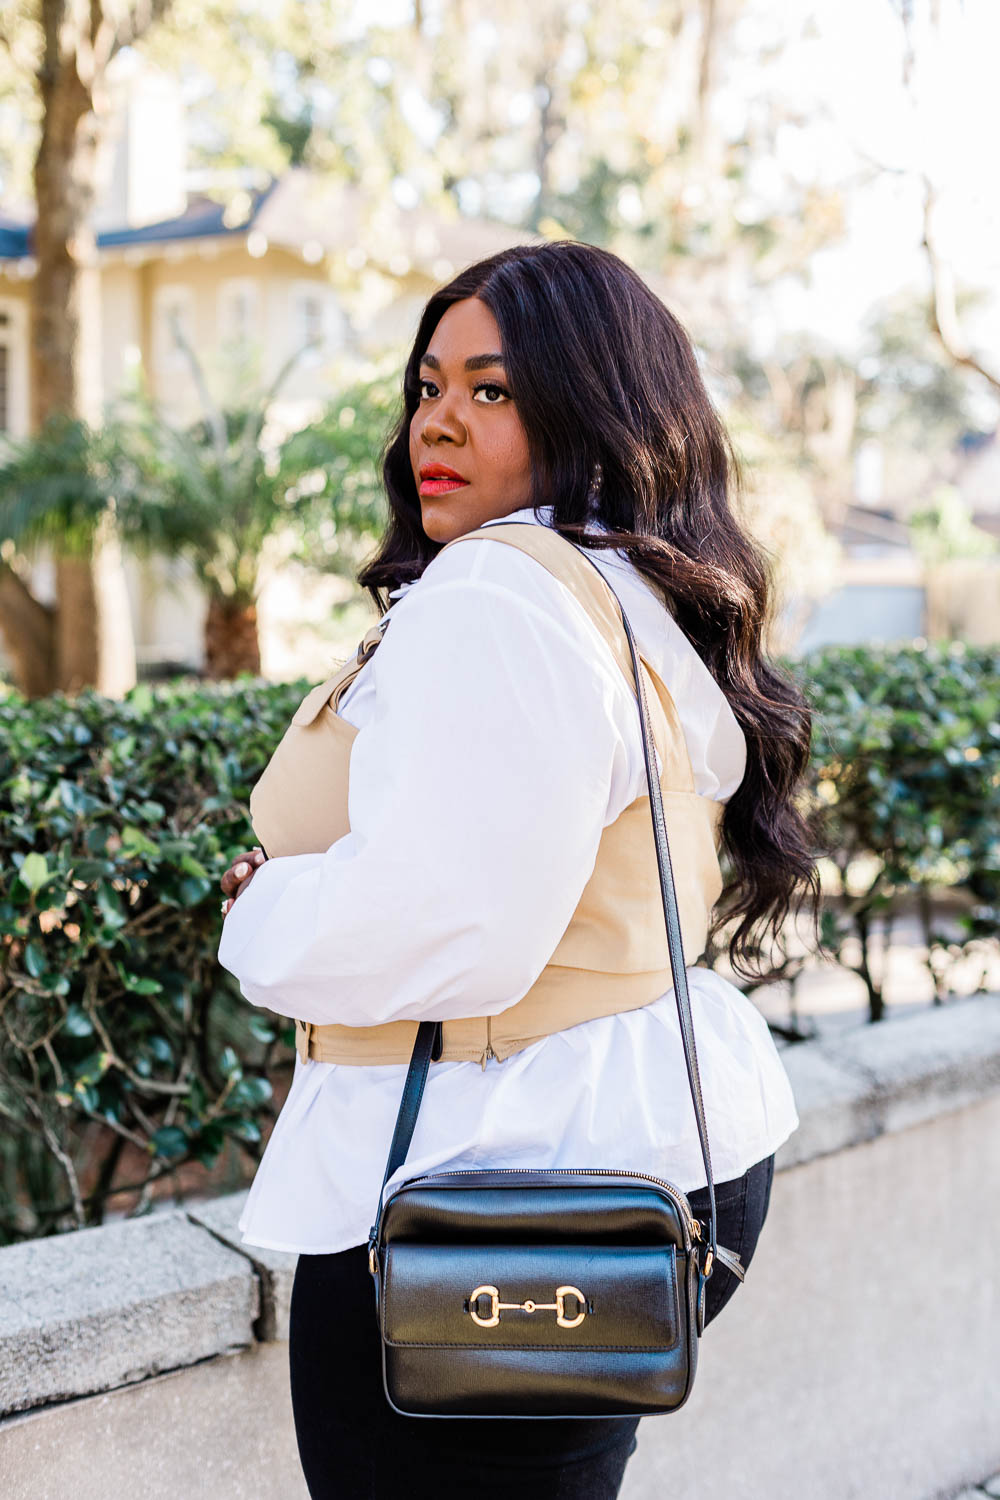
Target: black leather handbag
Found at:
572, 1292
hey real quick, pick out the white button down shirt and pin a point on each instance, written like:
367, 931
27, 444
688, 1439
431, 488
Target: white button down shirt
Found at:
497, 738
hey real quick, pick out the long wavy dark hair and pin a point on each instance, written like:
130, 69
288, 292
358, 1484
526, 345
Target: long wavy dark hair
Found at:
603, 374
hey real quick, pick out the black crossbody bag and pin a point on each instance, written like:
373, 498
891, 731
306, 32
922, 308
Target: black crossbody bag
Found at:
518, 1292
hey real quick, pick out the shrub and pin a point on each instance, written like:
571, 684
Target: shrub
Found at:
905, 787
116, 821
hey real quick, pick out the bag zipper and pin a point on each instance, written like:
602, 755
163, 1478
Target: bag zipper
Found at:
693, 1224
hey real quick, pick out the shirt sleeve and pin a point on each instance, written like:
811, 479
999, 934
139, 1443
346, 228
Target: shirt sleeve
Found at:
478, 792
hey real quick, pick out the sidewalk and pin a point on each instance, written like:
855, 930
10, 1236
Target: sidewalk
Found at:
829, 997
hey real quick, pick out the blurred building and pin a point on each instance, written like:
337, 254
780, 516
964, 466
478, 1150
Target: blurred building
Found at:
249, 274
887, 593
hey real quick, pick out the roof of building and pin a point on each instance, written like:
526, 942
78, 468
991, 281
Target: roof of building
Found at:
301, 208
203, 216
14, 238
871, 526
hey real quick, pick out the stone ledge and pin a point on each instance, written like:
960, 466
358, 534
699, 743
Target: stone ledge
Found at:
877, 1079
102, 1308
275, 1268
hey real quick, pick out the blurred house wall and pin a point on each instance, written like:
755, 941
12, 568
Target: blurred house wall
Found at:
963, 599
254, 272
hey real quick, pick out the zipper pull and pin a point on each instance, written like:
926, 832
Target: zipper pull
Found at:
489, 1045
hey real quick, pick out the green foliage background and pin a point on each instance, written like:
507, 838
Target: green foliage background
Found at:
116, 821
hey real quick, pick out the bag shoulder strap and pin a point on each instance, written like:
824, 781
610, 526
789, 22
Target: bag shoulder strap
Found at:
427, 1046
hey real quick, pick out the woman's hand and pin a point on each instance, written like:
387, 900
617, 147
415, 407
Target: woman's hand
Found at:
239, 875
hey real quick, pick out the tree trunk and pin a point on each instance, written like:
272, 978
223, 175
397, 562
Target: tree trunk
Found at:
86, 640
79, 41
63, 242
76, 623
232, 644
93, 643
116, 666
551, 122
29, 632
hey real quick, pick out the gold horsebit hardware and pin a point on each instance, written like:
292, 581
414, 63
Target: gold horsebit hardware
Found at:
558, 1306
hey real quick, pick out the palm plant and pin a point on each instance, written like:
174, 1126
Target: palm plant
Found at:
217, 491
341, 453
206, 497
214, 493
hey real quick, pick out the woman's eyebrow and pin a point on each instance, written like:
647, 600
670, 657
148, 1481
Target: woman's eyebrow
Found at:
475, 362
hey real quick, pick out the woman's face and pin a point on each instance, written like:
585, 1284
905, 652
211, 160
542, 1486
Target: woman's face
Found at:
466, 424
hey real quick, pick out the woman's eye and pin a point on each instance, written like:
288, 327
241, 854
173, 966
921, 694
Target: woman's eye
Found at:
428, 390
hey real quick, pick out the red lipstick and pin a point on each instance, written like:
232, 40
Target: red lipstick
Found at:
438, 479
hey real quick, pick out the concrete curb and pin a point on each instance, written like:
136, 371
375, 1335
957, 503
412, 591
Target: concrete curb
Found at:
875, 1080
102, 1308
275, 1269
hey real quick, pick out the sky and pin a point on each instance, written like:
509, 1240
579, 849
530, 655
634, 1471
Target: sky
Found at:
846, 69
840, 62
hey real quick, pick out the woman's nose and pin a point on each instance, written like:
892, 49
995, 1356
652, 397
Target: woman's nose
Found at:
443, 422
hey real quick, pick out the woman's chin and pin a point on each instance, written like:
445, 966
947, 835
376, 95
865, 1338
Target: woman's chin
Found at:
443, 522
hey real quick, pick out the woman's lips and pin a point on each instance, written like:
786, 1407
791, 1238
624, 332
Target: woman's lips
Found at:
441, 485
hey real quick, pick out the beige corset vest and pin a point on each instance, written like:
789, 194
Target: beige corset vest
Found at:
613, 955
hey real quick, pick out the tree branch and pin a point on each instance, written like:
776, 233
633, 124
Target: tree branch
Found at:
215, 417
944, 312
140, 18
62, 1156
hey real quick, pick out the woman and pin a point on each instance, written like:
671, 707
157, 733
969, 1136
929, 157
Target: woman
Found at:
492, 743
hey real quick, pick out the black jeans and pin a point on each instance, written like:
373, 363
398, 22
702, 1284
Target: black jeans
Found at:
353, 1446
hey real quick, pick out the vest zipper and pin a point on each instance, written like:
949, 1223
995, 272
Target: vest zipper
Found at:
489, 1045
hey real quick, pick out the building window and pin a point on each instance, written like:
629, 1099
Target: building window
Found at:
238, 314
314, 322
174, 322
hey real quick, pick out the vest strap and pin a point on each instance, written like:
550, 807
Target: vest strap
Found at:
367, 646
573, 567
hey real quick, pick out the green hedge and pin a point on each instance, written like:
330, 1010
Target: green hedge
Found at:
121, 1039
905, 789
116, 821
